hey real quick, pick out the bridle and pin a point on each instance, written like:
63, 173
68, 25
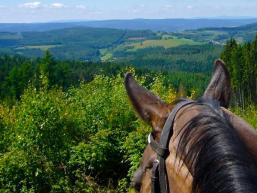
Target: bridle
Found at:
159, 174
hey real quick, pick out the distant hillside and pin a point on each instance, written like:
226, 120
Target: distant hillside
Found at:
94, 44
247, 27
222, 34
82, 43
168, 25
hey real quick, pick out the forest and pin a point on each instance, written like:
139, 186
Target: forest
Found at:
67, 125
82, 43
241, 60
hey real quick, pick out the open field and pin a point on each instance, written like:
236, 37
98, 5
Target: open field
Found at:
41, 47
96, 44
166, 43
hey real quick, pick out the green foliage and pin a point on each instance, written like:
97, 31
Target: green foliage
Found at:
96, 156
59, 139
166, 43
80, 43
249, 114
220, 35
17, 72
134, 146
40, 139
67, 126
86, 139
187, 58
84, 43
241, 61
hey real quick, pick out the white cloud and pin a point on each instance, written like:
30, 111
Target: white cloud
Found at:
96, 12
31, 5
168, 6
81, 7
189, 7
57, 5
38, 4
135, 10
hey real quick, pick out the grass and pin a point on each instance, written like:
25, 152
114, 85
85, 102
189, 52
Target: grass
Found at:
249, 114
205, 35
166, 43
106, 55
40, 47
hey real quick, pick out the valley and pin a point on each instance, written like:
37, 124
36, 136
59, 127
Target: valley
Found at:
105, 44
66, 123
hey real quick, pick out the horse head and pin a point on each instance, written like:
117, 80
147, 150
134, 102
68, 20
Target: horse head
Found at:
208, 148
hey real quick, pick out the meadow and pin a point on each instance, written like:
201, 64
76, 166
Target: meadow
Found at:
165, 43
43, 48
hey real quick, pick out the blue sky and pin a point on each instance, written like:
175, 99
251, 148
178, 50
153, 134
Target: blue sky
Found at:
56, 10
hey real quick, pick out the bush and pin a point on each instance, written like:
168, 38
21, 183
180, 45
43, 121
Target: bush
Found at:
86, 139
55, 141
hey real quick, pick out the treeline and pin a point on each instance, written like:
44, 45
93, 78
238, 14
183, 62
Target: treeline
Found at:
188, 58
73, 141
84, 139
67, 126
78, 43
241, 60
17, 73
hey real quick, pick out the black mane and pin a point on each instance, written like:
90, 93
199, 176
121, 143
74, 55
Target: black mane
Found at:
215, 155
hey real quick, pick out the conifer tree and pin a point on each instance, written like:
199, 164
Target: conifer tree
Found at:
241, 61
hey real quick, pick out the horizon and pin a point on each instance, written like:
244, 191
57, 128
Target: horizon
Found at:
45, 11
131, 19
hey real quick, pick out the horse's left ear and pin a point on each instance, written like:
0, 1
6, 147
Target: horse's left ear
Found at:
149, 107
219, 87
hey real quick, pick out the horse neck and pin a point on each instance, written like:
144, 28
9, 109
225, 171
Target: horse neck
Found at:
180, 179
214, 154
245, 131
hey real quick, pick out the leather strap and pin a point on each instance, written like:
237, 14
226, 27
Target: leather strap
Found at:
155, 177
162, 151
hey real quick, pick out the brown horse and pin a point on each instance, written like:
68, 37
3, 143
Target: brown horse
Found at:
208, 149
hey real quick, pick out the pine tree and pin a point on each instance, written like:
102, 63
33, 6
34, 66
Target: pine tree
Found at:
253, 72
241, 61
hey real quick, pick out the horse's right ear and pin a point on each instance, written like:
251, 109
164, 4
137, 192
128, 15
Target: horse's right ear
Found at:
219, 87
149, 107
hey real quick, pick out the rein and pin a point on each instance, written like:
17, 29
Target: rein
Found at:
159, 173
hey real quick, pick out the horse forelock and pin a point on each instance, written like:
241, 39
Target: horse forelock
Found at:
214, 154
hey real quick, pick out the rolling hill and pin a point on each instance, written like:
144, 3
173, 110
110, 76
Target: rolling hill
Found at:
168, 25
222, 34
94, 44
72, 43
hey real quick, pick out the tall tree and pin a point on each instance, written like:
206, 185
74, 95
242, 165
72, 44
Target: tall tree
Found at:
242, 64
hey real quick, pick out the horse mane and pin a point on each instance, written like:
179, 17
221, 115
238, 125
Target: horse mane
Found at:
215, 155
